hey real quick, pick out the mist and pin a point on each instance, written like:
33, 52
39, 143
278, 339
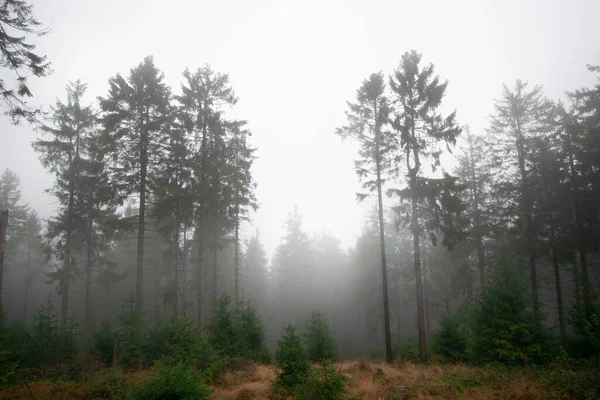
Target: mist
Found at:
381, 170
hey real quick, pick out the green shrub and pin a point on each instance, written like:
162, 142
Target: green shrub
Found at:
319, 341
450, 340
585, 320
223, 333
573, 379
503, 327
291, 359
173, 382
237, 332
103, 343
322, 383
406, 350
107, 384
8, 367
184, 346
251, 334
132, 340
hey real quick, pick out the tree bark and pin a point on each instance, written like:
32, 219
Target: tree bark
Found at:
3, 229
237, 257
527, 211
386, 308
559, 300
176, 257
139, 283
88, 272
419, 283
215, 275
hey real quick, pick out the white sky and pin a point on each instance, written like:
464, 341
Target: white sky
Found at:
294, 64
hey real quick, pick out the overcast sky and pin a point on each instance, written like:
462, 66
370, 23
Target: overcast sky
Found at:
294, 64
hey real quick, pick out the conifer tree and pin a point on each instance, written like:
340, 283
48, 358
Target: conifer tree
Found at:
135, 118
64, 155
421, 131
17, 25
242, 187
473, 172
204, 95
520, 115
367, 123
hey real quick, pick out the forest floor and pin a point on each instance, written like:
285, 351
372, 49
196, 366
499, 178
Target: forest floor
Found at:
366, 380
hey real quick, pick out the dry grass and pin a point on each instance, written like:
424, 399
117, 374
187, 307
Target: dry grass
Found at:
366, 380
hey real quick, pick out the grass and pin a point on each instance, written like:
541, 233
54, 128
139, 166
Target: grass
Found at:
366, 380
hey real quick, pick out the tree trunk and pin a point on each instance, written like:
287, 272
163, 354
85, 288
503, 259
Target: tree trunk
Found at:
559, 301
578, 223
386, 308
66, 275
201, 295
398, 307
576, 280
176, 257
527, 211
88, 276
237, 257
477, 227
419, 283
184, 266
27, 278
3, 229
215, 275
427, 302
139, 282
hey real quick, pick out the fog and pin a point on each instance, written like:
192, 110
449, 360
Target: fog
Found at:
309, 244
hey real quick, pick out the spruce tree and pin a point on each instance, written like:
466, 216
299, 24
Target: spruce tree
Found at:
204, 96
367, 123
64, 155
135, 118
17, 25
520, 115
421, 130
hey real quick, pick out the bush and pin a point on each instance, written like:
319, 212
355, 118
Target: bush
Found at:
585, 320
173, 383
107, 384
319, 341
184, 346
503, 328
251, 335
322, 383
450, 340
573, 379
238, 332
103, 343
292, 359
407, 350
132, 341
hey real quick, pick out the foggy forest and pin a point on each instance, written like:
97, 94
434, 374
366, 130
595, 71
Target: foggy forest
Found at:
474, 272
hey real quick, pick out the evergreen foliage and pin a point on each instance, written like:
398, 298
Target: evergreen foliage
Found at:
291, 358
173, 383
450, 339
320, 345
17, 25
503, 328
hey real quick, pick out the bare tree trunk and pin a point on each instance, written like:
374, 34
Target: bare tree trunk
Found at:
215, 275
176, 256
139, 282
576, 280
88, 282
386, 308
3, 229
527, 211
201, 285
419, 283
237, 257
578, 224
559, 301
184, 266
